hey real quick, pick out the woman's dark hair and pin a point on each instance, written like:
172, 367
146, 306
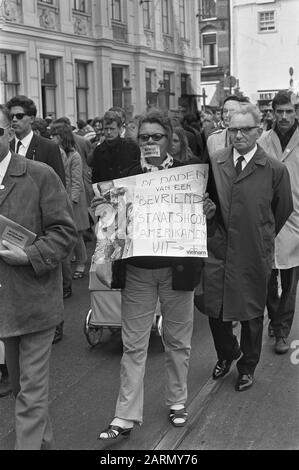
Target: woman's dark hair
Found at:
158, 117
185, 152
66, 135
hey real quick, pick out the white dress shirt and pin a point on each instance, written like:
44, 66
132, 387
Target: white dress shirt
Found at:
3, 167
247, 156
25, 142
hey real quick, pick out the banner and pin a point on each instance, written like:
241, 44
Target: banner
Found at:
157, 213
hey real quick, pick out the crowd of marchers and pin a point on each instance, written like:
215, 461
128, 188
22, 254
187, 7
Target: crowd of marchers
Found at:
251, 206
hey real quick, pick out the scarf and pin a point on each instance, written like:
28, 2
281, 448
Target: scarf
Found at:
146, 167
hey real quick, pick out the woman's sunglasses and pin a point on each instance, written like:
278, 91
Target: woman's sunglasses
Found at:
154, 137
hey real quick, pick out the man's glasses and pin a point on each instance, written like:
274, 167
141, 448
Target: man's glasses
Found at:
154, 137
2, 130
243, 130
19, 116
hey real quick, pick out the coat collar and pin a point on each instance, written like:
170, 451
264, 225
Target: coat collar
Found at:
17, 167
31, 149
225, 158
293, 142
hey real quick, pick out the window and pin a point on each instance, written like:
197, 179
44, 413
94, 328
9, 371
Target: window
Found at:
185, 79
146, 15
9, 76
118, 86
182, 8
116, 10
165, 17
79, 5
151, 95
48, 84
82, 90
168, 78
267, 21
207, 9
209, 49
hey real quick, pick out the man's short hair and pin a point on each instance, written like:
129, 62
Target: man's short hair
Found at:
24, 102
282, 97
6, 114
250, 109
239, 99
120, 111
112, 116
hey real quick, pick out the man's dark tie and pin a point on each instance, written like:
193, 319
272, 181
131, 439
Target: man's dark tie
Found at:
18, 146
239, 165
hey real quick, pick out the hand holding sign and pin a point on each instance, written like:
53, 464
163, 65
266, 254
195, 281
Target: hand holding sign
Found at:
209, 208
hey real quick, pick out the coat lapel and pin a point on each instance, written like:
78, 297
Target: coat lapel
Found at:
32, 148
12, 145
293, 142
225, 160
16, 167
259, 158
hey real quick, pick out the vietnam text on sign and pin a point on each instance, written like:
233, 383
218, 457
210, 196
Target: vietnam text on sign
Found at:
153, 214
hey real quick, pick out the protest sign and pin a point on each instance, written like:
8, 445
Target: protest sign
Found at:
153, 214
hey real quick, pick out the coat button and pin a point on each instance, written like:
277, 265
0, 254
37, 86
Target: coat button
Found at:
180, 268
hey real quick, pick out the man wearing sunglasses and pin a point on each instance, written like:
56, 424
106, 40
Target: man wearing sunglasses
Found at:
282, 142
255, 200
23, 113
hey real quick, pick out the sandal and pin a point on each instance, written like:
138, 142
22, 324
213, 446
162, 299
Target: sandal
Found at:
78, 274
113, 432
178, 417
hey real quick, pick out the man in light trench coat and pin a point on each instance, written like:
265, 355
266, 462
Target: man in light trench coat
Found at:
254, 200
282, 142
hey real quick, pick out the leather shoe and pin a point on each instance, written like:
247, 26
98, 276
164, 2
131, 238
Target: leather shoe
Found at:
244, 382
58, 333
5, 387
281, 345
67, 293
270, 331
222, 367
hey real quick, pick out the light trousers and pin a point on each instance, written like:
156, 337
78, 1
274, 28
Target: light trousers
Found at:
28, 363
139, 300
281, 308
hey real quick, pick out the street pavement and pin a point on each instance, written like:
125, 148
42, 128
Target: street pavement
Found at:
84, 384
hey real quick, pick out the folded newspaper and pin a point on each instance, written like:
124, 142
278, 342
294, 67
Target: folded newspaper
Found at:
15, 233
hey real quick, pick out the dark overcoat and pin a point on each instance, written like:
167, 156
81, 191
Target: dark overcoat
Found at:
253, 207
32, 195
46, 151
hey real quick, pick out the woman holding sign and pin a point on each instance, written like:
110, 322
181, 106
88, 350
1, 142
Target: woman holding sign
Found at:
172, 281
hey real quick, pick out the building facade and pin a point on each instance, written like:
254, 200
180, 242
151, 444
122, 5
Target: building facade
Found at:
214, 29
265, 46
80, 57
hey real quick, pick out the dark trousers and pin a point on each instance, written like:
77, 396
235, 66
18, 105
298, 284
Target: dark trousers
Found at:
227, 347
281, 308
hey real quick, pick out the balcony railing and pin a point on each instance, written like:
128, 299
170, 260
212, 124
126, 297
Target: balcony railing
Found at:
120, 32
